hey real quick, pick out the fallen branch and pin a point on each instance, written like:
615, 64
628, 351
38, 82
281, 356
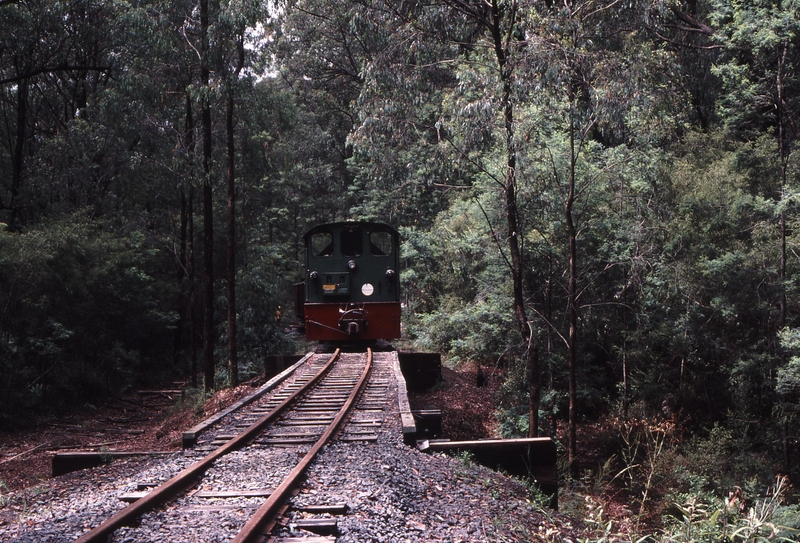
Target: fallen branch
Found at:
36, 448
81, 446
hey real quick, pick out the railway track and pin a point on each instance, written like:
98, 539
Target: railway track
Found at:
256, 457
366, 485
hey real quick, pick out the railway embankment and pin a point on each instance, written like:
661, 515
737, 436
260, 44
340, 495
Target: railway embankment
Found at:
390, 492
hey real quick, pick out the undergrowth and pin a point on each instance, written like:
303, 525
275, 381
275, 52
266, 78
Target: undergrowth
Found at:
5, 498
659, 488
193, 400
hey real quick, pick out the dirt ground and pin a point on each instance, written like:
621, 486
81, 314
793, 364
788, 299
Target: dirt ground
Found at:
467, 410
149, 420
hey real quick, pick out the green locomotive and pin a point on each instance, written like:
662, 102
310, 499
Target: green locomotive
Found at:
352, 283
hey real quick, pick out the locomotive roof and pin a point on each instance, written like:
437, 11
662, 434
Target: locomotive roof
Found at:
340, 224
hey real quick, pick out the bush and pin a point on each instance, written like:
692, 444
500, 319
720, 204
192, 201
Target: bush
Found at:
85, 311
731, 519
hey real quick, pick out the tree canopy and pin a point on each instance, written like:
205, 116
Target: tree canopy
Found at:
597, 197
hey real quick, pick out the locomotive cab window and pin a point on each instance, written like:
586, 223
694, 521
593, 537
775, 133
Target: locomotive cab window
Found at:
352, 243
321, 244
380, 243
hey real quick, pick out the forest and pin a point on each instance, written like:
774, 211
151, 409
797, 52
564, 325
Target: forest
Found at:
597, 197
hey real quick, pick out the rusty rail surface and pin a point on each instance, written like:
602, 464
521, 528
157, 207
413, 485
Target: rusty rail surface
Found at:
270, 508
188, 477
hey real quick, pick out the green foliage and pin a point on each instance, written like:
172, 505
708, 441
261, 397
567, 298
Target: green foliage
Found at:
708, 458
466, 458
513, 422
455, 272
711, 290
84, 313
761, 44
711, 464
465, 332
788, 379
730, 519
788, 518
260, 295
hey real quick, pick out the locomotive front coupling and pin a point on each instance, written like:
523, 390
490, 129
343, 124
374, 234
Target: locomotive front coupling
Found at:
353, 321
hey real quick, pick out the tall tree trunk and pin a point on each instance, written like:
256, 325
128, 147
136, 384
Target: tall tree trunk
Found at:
782, 270
233, 358
512, 212
17, 160
177, 345
208, 219
208, 288
572, 309
192, 289
189, 134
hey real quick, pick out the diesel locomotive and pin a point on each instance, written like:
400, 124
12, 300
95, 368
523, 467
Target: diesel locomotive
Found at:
351, 291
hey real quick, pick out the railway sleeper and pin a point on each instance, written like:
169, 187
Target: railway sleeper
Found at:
319, 526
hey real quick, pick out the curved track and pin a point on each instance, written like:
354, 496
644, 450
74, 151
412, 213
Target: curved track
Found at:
309, 415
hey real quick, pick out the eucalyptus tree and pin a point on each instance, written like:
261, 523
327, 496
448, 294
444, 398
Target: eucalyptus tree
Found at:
164, 78
236, 23
220, 48
597, 94
233, 362
321, 51
559, 96
208, 203
760, 84
335, 57
760, 98
53, 56
174, 42
501, 26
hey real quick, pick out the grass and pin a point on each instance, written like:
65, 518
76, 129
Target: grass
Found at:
5, 495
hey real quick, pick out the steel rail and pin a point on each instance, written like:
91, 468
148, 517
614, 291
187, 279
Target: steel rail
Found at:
188, 476
270, 508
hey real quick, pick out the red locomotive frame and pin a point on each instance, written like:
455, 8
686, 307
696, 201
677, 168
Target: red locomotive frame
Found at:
381, 320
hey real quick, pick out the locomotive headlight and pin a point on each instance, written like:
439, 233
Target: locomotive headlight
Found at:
313, 274
367, 289
351, 265
390, 273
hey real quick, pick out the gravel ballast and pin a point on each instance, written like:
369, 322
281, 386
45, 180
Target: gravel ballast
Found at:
393, 492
